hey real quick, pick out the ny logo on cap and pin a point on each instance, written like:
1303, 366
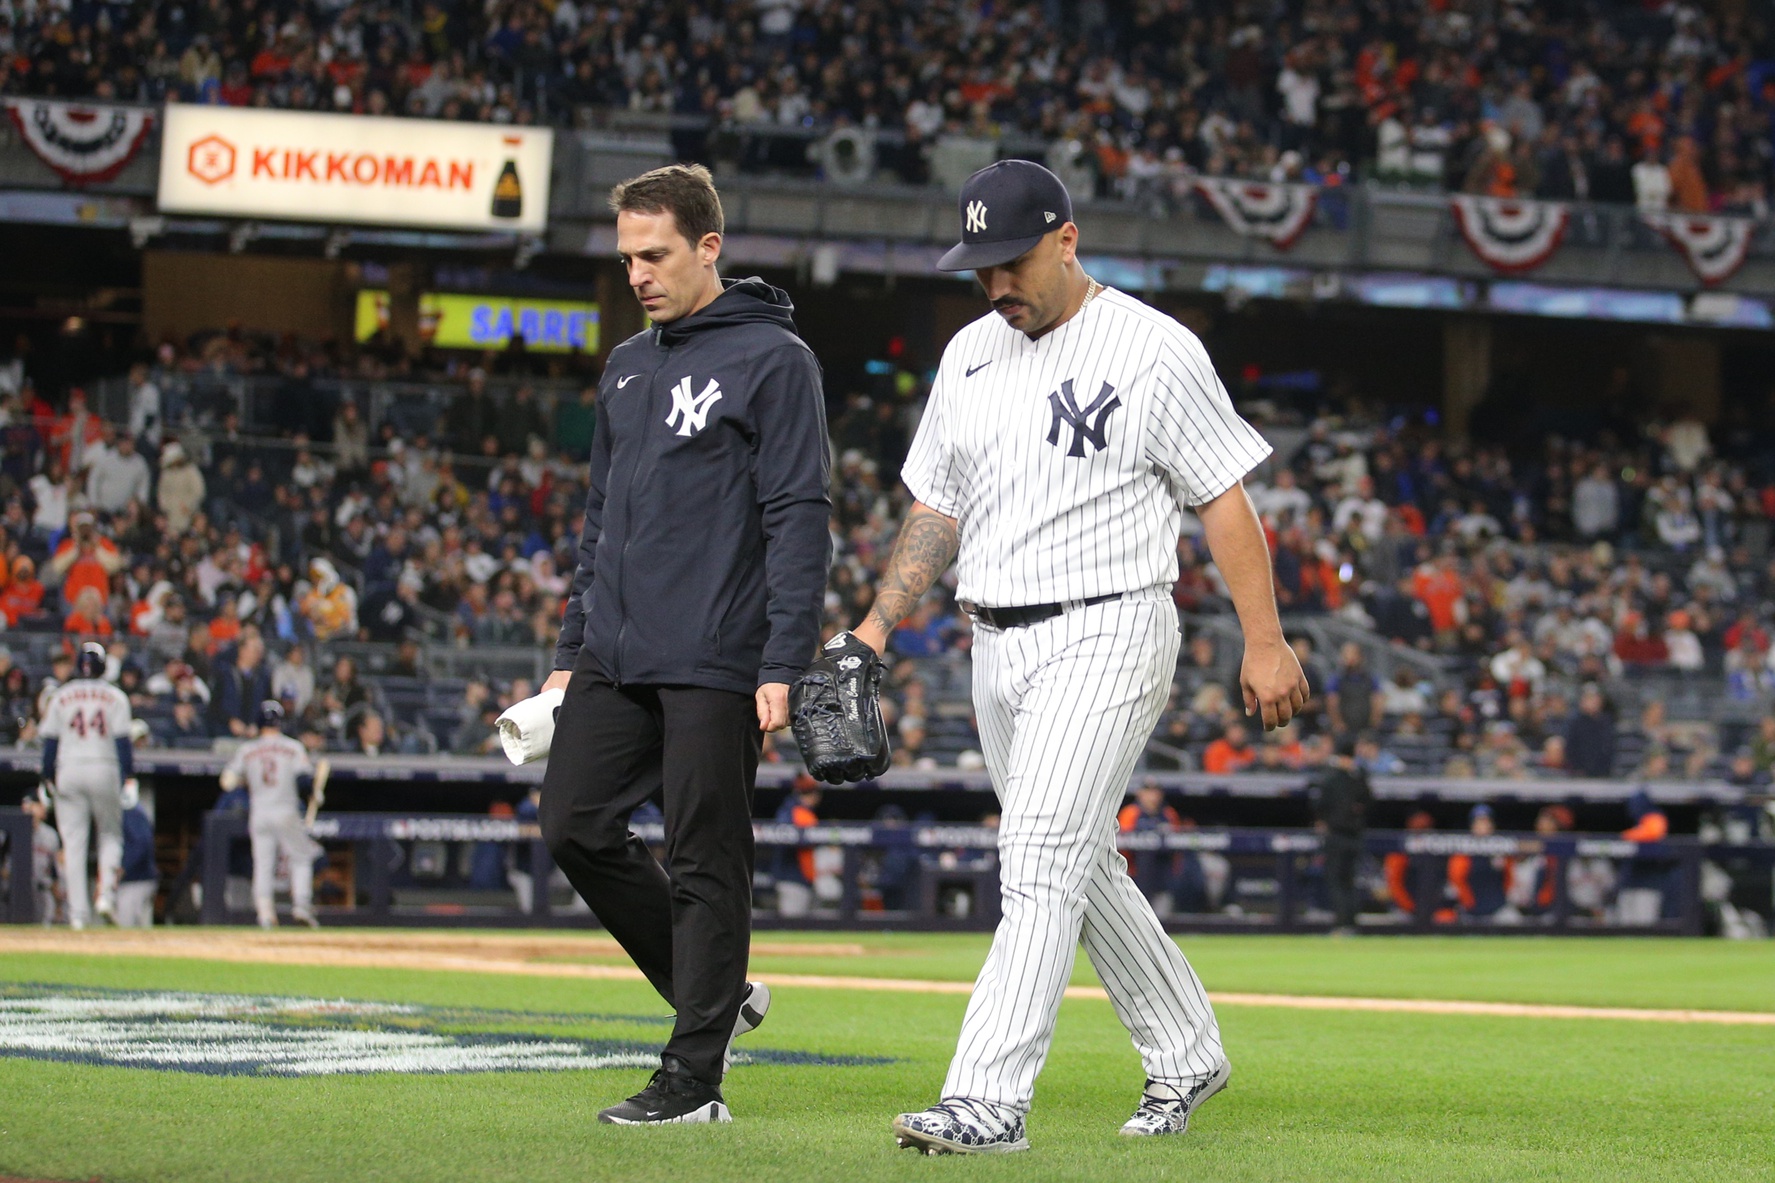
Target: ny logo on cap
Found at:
976, 216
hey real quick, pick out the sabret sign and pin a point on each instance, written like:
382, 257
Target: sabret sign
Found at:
249, 163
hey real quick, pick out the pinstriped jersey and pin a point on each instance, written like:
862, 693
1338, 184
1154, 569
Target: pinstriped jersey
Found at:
86, 716
1069, 460
270, 765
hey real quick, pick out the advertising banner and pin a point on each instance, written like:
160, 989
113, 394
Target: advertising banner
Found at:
249, 163
452, 321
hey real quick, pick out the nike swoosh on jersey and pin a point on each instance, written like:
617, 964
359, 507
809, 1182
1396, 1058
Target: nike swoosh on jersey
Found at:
972, 370
625, 380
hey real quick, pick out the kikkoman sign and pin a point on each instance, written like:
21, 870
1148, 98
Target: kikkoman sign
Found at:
248, 163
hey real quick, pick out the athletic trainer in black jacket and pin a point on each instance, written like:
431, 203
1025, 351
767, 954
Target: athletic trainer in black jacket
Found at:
697, 599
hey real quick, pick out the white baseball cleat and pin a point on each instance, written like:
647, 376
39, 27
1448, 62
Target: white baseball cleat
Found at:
304, 916
961, 1125
1166, 1108
106, 912
267, 920
754, 1005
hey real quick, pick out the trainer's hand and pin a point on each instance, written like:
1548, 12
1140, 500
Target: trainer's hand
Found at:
1274, 684
773, 706
557, 680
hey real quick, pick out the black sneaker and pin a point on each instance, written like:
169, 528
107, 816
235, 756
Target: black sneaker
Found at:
673, 1095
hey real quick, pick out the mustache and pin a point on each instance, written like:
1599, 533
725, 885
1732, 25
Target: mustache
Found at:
1006, 301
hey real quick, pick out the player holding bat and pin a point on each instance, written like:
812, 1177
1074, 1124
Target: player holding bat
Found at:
275, 769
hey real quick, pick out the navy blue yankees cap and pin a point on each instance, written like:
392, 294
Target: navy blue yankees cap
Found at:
1006, 208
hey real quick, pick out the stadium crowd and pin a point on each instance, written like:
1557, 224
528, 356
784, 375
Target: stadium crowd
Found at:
1531, 589
1663, 103
223, 568
224, 565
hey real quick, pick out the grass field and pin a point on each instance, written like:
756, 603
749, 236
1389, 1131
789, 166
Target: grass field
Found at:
1314, 1095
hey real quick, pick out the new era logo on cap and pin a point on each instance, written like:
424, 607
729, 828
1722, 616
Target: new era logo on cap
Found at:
1025, 201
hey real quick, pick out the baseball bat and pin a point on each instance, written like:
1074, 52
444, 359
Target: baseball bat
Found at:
318, 795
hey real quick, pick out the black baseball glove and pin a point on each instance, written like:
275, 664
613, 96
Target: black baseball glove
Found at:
835, 709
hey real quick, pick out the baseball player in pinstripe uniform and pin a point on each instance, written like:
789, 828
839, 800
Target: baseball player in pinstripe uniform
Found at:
1066, 434
275, 770
88, 766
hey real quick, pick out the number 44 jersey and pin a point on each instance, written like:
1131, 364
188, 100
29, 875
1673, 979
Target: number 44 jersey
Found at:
88, 717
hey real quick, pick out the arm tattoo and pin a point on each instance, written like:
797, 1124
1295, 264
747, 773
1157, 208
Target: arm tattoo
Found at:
926, 546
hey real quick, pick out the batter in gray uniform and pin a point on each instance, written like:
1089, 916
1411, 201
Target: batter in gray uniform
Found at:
275, 769
86, 764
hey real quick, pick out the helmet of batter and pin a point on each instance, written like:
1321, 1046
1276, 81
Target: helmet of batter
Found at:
91, 661
271, 713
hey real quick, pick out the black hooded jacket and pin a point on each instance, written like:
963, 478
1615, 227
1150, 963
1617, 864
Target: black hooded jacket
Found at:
704, 554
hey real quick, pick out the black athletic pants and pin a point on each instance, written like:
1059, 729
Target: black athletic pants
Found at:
1342, 852
689, 931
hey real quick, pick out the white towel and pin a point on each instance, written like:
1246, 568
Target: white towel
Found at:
528, 728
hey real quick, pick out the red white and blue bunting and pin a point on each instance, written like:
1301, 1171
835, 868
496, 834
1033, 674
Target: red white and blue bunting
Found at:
1714, 247
82, 142
1279, 213
1510, 236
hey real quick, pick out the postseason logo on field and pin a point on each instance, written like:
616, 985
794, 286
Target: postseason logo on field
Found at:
263, 1035
250, 163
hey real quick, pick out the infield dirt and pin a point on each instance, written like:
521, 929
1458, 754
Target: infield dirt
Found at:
537, 955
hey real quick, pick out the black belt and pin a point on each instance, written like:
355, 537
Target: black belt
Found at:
1030, 613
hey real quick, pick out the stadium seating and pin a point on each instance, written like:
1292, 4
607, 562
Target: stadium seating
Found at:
1614, 102
1369, 510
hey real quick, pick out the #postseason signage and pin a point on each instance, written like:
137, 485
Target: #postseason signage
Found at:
248, 163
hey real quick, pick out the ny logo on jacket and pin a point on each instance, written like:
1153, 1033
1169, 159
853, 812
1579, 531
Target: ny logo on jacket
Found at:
690, 412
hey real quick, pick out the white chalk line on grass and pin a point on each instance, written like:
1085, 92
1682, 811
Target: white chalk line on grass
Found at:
310, 950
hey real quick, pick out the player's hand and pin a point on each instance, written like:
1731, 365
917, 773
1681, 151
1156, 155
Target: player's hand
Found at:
131, 796
773, 706
1274, 684
557, 680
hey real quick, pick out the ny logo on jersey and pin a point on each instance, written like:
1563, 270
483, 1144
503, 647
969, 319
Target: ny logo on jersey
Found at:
1067, 410
976, 216
690, 412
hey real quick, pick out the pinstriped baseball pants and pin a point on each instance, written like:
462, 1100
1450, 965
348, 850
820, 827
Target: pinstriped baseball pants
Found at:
1065, 708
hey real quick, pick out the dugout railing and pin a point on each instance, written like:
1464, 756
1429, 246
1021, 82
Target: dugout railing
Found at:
947, 872
1280, 870
494, 772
